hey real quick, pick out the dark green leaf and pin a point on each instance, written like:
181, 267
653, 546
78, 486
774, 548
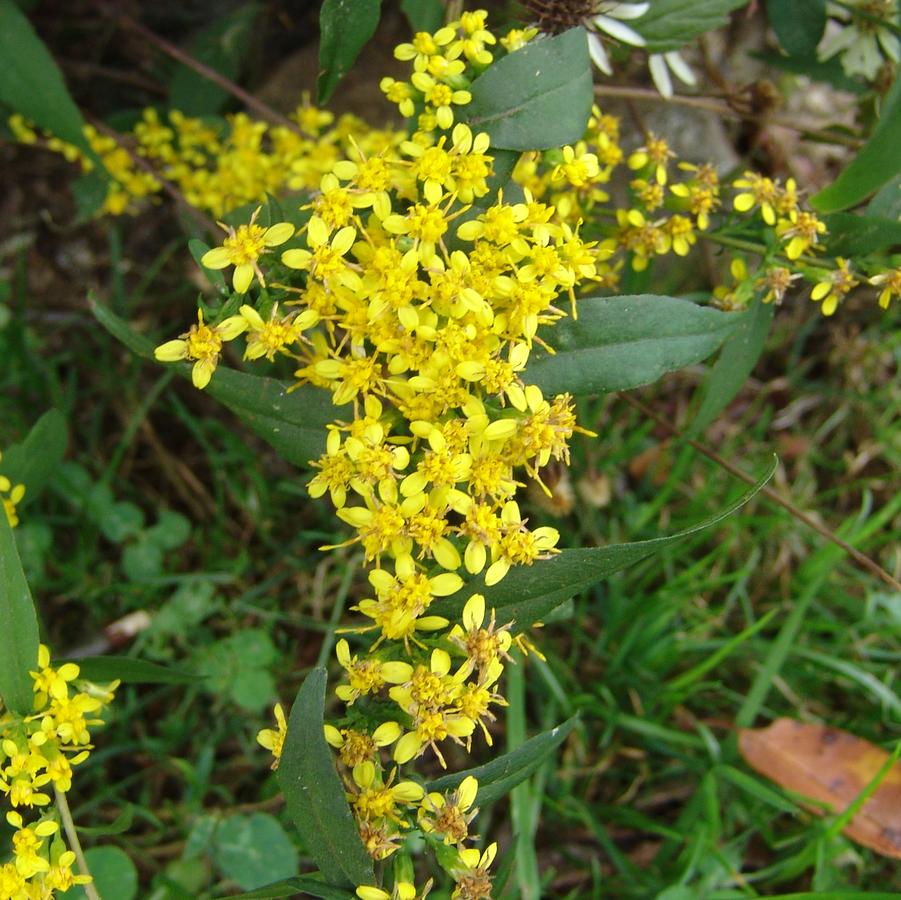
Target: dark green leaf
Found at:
119, 825
305, 886
853, 235
89, 191
114, 875
32, 83
252, 850
887, 202
538, 97
529, 593
670, 24
498, 777
36, 460
423, 15
223, 47
876, 162
344, 27
314, 793
18, 626
799, 25
737, 358
293, 422
619, 343
131, 671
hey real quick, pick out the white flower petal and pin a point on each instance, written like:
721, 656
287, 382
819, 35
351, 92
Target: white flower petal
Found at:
660, 75
617, 30
599, 54
680, 68
629, 10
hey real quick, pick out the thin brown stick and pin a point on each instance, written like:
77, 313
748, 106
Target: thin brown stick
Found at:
709, 104
204, 221
862, 560
170, 49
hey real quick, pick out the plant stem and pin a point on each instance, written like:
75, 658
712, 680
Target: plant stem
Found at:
65, 815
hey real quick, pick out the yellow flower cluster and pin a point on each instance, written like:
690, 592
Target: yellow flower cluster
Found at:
216, 166
10, 496
38, 752
667, 216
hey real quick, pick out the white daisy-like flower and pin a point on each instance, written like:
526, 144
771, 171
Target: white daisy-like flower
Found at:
661, 64
863, 42
608, 19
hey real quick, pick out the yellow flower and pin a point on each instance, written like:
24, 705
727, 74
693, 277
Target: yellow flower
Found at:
203, 344
801, 232
450, 814
473, 880
367, 676
834, 287
14, 494
274, 739
271, 336
890, 282
355, 747
243, 248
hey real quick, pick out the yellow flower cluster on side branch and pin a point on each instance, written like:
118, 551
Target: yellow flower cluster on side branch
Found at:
38, 755
10, 496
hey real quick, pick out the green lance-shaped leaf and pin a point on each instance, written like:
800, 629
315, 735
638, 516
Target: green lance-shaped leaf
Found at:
35, 461
854, 235
223, 46
876, 162
529, 593
345, 26
132, 671
292, 421
619, 343
538, 97
423, 15
737, 358
302, 886
18, 626
314, 793
670, 24
799, 25
498, 777
32, 83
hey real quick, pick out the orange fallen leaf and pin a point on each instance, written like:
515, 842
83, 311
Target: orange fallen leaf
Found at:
831, 767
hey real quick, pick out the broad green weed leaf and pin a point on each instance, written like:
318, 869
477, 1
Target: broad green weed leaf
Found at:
222, 46
737, 358
305, 886
293, 422
619, 343
670, 24
131, 671
498, 777
114, 875
314, 793
887, 202
799, 24
538, 97
344, 27
18, 626
876, 162
423, 15
529, 593
252, 850
32, 83
37, 459
853, 235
